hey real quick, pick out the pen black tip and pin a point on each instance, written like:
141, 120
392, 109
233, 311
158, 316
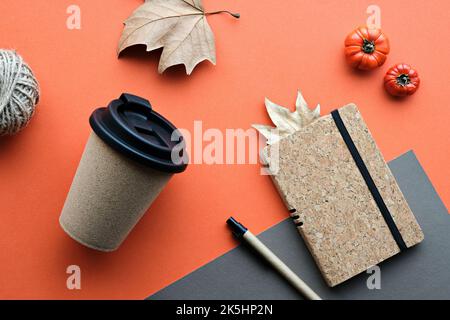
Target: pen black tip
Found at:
237, 228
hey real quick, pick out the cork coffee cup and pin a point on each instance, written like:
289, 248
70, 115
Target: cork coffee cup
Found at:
127, 161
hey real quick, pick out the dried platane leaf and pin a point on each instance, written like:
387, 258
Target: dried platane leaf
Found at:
178, 26
285, 121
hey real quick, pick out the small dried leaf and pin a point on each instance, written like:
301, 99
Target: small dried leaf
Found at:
285, 121
282, 118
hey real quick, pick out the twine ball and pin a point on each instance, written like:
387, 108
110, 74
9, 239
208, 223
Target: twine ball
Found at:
19, 93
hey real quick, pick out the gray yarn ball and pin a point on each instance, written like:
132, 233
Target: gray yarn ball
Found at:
19, 93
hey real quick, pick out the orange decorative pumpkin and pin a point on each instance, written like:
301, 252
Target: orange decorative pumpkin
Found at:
366, 48
401, 80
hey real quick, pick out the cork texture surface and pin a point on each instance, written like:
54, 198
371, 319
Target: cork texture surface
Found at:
337, 215
109, 195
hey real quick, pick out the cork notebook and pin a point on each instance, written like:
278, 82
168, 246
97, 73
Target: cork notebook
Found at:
341, 195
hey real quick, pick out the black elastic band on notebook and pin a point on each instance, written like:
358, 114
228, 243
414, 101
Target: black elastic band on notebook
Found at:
369, 181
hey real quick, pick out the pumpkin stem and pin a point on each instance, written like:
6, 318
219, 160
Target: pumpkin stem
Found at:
403, 80
236, 15
368, 46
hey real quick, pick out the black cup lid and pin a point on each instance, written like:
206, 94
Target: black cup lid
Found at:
130, 126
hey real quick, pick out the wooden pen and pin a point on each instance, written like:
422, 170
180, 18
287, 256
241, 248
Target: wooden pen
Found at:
245, 235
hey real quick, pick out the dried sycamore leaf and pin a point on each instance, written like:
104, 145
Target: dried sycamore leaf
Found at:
178, 26
285, 121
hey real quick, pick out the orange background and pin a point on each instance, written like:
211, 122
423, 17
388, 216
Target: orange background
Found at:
275, 48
